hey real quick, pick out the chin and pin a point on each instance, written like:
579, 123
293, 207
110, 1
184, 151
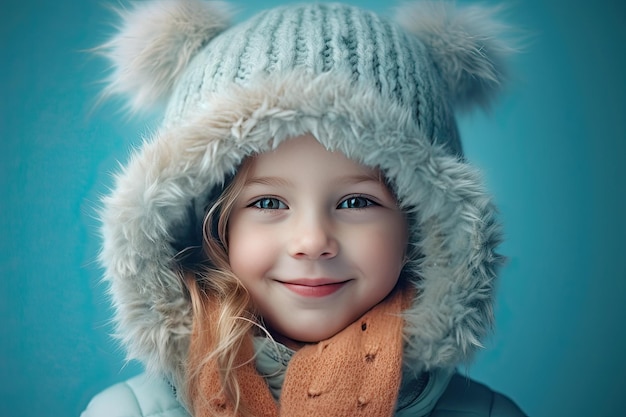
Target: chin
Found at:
311, 334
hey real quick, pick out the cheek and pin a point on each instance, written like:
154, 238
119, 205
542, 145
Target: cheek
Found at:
250, 251
382, 250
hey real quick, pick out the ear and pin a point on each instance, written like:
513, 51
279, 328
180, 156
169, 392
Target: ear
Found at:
467, 45
153, 45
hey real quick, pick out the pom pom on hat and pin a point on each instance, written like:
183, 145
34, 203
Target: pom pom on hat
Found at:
466, 44
155, 42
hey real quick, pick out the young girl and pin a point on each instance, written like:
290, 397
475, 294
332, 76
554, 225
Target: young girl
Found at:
302, 236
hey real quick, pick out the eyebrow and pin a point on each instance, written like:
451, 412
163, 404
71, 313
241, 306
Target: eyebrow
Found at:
355, 179
275, 181
279, 181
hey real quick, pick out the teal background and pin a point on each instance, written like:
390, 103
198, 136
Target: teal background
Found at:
552, 151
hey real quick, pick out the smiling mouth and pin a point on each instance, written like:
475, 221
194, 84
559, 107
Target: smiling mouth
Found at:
314, 288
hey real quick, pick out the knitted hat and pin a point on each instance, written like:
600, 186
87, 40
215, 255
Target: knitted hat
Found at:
380, 91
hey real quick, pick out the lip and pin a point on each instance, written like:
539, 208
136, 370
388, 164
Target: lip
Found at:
314, 287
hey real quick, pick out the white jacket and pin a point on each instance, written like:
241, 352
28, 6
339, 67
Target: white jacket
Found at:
144, 396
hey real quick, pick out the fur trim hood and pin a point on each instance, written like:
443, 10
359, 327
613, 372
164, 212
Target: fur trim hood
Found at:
235, 91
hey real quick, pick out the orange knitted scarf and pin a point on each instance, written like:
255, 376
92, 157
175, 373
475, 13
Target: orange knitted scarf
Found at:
355, 372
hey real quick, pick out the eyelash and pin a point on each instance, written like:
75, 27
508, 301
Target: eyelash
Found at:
368, 202
363, 199
257, 203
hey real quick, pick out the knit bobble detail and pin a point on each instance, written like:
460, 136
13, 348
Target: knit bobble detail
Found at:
466, 44
155, 42
313, 393
370, 353
362, 401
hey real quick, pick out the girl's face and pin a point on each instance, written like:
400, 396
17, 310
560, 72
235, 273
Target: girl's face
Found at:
316, 239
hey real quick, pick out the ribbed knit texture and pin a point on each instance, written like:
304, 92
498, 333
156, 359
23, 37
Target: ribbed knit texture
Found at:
319, 38
355, 373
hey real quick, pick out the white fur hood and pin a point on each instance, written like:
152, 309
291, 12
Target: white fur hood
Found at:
173, 52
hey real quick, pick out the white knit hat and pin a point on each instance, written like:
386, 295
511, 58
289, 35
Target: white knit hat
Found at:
381, 92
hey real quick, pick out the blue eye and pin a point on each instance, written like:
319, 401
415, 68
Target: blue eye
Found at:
269, 203
356, 202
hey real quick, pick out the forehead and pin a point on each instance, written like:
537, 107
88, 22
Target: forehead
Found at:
305, 155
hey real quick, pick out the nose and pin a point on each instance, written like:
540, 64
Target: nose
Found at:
312, 237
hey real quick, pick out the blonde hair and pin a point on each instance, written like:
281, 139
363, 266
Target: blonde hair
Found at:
223, 315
